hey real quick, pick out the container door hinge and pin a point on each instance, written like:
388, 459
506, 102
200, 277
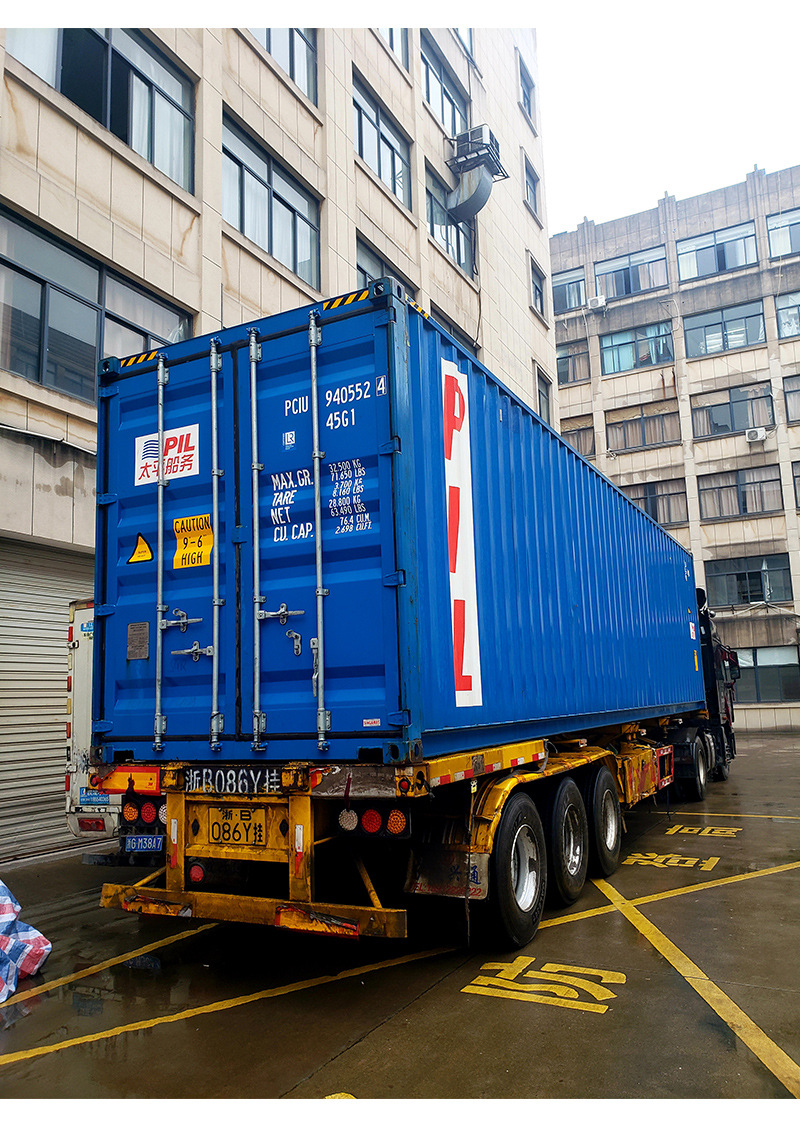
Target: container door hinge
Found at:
107, 498
102, 726
396, 579
104, 610
399, 719
390, 447
109, 392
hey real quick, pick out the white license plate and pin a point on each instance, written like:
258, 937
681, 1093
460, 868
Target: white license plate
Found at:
144, 843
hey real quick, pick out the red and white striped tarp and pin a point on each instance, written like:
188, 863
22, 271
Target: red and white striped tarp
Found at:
23, 949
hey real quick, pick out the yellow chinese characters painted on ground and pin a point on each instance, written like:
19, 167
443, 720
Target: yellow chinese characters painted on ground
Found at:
707, 831
194, 541
559, 985
670, 861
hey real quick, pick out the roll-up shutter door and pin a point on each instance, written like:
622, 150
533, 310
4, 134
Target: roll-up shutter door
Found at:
36, 587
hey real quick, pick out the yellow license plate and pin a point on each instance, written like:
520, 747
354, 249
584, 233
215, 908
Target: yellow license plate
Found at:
235, 826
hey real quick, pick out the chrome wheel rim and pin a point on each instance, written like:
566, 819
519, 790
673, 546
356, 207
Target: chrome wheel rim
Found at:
572, 840
608, 822
524, 869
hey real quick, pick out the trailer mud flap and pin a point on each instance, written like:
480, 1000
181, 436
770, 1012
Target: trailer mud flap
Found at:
442, 872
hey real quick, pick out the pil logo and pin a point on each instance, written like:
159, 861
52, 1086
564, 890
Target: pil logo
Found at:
461, 537
181, 454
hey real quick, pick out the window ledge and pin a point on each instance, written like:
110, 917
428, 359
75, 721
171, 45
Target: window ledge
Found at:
540, 316
733, 433
265, 258
452, 262
643, 368
529, 119
573, 383
387, 191
534, 213
727, 352
34, 392
634, 296
99, 133
285, 79
742, 516
706, 278
638, 449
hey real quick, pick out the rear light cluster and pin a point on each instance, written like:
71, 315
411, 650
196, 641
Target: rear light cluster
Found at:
147, 814
374, 821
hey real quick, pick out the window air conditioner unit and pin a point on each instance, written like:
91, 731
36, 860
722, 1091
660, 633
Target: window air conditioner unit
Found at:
597, 303
756, 434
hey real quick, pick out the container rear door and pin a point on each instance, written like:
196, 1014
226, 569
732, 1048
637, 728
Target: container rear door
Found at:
347, 672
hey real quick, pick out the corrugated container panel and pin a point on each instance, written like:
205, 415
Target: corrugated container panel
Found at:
483, 583
36, 587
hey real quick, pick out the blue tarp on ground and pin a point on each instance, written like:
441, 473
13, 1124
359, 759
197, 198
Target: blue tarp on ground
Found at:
23, 949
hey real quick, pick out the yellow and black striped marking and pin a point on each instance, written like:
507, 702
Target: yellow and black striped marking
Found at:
418, 308
137, 359
346, 299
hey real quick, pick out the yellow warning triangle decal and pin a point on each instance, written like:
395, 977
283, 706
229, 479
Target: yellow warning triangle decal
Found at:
142, 551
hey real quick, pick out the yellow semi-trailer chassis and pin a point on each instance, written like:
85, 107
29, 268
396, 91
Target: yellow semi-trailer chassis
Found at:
294, 822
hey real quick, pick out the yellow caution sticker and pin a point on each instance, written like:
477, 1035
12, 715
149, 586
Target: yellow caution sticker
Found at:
142, 552
194, 541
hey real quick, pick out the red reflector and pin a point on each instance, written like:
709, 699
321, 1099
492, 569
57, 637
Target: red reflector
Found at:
69, 730
370, 821
95, 824
69, 634
197, 873
66, 782
69, 684
149, 812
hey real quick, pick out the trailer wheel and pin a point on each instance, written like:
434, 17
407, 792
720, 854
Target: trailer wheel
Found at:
605, 821
567, 843
695, 787
518, 873
723, 766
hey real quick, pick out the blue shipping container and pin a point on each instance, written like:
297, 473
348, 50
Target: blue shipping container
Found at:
476, 581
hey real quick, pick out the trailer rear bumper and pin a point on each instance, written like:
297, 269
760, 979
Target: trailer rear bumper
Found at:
351, 921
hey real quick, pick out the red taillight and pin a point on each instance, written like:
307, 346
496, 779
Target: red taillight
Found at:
69, 684
371, 821
149, 812
97, 825
196, 873
66, 782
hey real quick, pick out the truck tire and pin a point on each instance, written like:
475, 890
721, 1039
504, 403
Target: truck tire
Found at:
605, 821
723, 764
567, 838
518, 869
694, 787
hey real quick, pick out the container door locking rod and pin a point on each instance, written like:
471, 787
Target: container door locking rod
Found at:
216, 474
259, 719
160, 722
318, 643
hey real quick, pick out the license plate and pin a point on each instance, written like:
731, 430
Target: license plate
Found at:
235, 826
143, 843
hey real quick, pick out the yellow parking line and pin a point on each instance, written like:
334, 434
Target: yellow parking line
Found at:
779, 1064
708, 814
216, 1007
88, 971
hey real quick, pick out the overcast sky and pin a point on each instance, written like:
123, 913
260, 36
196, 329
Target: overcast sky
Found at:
639, 99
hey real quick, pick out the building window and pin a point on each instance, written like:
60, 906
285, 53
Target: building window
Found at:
543, 394
741, 326
294, 49
527, 92
60, 313
788, 310
537, 288
380, 144
455, 238
791, 391
769, 673
462, 339
465, 36
636, 348
748, 579
120, 80
717, 252
569, 290
579, 433
796, 480
647, 424
740, 493
632, 273
572, 363
531, 188
268, 205
370, 267
664, 501
784, 233
397, 38
732, 410
441, 93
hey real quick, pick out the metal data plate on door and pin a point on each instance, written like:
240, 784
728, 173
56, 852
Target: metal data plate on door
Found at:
138, 641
